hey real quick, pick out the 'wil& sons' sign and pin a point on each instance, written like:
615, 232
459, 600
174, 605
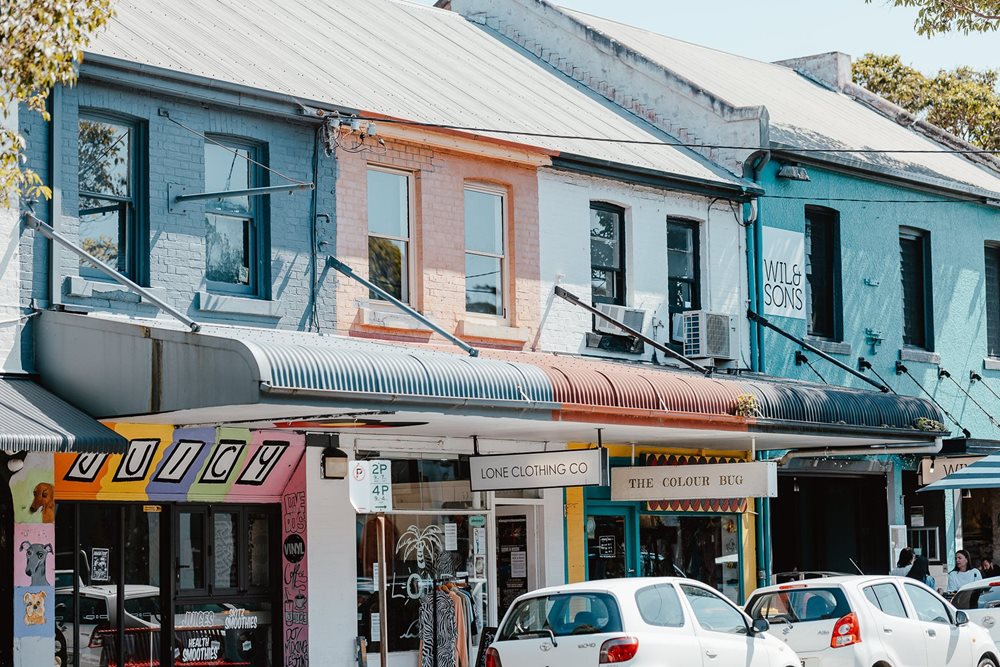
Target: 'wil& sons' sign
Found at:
784, 273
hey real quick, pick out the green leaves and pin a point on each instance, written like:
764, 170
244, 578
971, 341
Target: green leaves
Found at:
938, 16
41, 44
963, 101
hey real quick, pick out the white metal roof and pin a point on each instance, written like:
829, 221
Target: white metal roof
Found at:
802, 113
387, 57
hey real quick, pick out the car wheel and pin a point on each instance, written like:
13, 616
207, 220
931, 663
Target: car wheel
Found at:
987, 662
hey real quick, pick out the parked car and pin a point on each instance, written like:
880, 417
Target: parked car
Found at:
795, 575
642, 621
981, 601
871, 620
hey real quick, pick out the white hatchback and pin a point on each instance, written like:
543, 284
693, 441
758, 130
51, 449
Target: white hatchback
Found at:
861, 621
981, 601
641, 622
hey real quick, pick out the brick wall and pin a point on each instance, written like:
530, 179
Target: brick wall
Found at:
438, 244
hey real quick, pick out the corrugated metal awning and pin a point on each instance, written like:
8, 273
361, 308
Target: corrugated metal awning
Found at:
983, 474
33, 420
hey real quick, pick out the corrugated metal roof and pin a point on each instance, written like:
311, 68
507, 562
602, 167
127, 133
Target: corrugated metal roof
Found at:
802, 113
388, 57
33, 420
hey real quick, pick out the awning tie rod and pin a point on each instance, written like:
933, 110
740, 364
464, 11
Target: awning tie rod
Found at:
942, 373
865, 365
901, 369
760, 319
412, 312
32, 222
575, 300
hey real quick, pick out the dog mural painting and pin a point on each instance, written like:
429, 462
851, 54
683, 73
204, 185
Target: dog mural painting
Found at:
36, 561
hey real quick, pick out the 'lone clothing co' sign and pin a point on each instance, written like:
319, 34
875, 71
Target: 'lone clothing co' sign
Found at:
537, 471
724, 480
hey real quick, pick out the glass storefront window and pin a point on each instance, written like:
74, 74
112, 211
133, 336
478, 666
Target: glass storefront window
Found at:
431, 484
442, 557
705, 548
223, 633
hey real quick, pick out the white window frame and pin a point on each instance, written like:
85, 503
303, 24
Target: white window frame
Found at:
504, 281
409, 270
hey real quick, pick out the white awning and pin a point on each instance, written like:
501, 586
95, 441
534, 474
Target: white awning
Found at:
983, 474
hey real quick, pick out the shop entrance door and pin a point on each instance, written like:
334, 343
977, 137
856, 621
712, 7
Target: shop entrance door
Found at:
611, 536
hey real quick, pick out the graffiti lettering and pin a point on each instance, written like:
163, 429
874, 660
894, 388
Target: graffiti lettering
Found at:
262, 462
224, 459
295, 512
179, 461
136, 461
85, 467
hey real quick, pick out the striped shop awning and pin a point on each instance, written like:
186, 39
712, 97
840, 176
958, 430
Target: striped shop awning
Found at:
983, 474
33, 420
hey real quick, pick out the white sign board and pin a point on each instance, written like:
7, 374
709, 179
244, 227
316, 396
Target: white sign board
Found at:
784, 273
371, 486
582, 467
716, 480
942, 467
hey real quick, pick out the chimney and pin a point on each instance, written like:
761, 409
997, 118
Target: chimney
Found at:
833, 69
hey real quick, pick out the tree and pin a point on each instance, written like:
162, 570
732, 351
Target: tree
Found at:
963, 101
938, 16
41, 42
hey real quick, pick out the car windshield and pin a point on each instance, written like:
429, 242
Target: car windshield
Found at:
980, 597
562, 614
800, 605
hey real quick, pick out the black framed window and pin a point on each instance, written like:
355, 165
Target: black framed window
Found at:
485, 244
992, 252
389, 232
683, 266
914, 261
236, 252
607, 253
111, 191
822, 251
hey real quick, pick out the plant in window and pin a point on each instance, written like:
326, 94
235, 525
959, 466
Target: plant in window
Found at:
423, 544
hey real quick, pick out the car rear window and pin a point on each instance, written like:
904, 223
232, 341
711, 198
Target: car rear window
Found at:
983, 597
800, 605
660, 605
562, 614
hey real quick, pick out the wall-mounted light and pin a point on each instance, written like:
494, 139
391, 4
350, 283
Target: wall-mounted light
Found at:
334, 463
931, 469
793, 172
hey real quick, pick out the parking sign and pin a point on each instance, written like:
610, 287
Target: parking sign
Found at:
371, 486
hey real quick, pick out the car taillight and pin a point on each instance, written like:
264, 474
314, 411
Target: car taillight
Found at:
620, 649
847, 631
493, 658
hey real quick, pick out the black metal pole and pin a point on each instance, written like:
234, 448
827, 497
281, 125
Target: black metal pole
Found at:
760, 319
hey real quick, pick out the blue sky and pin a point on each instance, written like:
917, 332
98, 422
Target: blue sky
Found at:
778, 29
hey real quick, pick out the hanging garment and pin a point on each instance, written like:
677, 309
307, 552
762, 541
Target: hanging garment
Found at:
438, 630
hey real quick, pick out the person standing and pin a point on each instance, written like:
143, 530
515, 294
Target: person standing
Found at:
904, 563
921, 571
963, 573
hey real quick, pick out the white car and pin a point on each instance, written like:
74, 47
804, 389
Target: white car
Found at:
981, 601
643, 622
866, 621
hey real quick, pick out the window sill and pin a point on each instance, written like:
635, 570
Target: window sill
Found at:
920, 356
225, 304
383, 315
86, 288
991, 364
497, 330
829, 346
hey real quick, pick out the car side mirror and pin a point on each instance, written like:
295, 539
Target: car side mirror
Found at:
760, 625
961, 618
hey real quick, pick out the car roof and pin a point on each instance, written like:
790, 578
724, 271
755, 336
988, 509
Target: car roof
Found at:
992, 581
623, 585
826, 582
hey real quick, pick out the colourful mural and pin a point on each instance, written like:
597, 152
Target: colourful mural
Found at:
184, 464
295, 587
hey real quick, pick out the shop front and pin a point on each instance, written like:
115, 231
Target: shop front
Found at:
186, 550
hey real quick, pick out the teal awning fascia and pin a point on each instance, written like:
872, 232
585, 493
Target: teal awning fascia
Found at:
33, 420
983, 474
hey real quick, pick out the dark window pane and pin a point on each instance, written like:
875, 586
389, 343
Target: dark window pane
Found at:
103, 226
681, 295
227, 169
821, 278
911, 257
225, 526
607, 257
682, 266
387, 266
993, 300
388, 204
483, 288
602, 286
105, 158
484, 222
191, 550
258, 543
228, 249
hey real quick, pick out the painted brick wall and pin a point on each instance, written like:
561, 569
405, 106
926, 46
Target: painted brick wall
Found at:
177, 254
564, 204
438, 243
869, 241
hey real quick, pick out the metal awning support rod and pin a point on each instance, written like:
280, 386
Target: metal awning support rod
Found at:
48, 232
874, 450
760, 319
575, 300
249, 192
418, 316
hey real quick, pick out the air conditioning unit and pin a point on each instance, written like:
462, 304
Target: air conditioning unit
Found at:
633, 318
710, 335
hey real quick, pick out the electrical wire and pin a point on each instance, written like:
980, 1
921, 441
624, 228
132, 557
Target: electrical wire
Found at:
943, 373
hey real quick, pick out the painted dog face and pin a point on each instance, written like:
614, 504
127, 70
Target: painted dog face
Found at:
34, 608
35, 561
42, 497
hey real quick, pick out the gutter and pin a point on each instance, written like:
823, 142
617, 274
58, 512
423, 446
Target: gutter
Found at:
877, 450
